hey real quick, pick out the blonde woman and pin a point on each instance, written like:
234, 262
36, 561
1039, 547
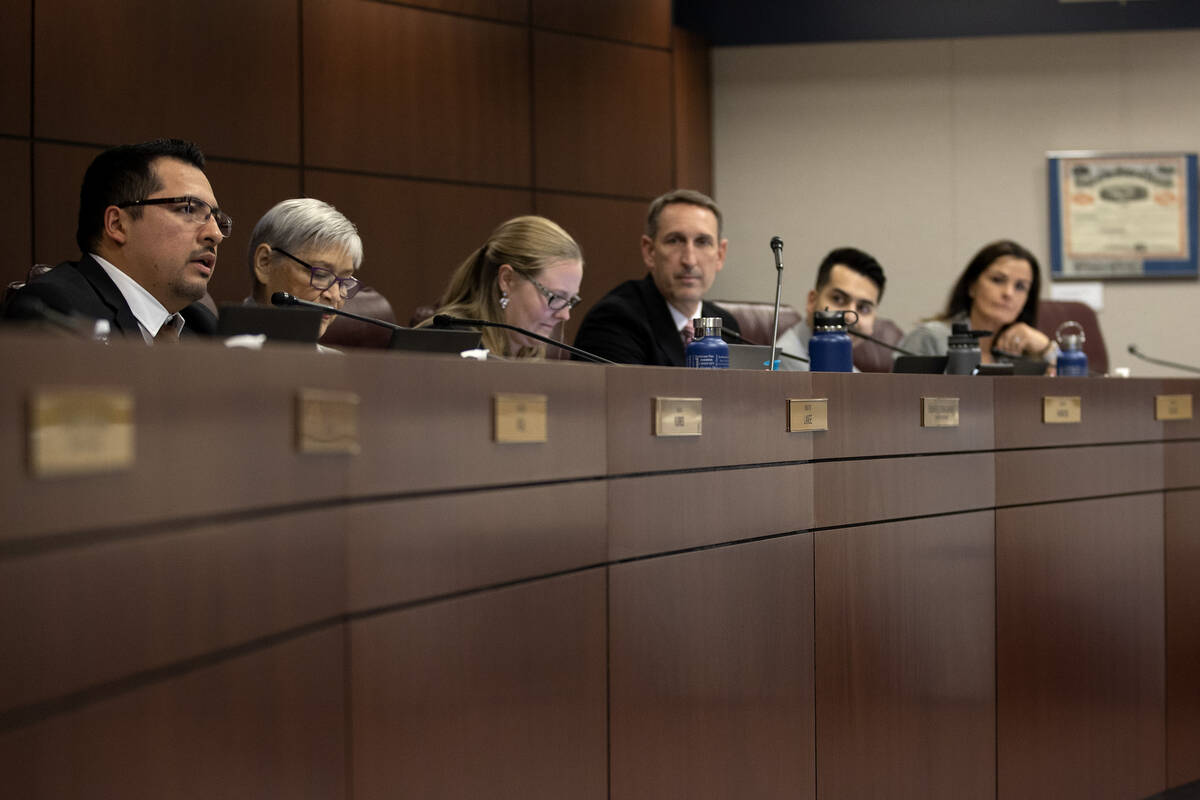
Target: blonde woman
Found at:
526, 274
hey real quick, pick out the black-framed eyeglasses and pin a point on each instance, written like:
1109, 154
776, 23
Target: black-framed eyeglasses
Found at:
554, 300
193, 208
321, 278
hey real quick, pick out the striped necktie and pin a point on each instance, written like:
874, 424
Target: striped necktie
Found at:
687, 333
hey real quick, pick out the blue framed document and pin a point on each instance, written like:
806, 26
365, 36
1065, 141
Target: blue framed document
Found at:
1122, 215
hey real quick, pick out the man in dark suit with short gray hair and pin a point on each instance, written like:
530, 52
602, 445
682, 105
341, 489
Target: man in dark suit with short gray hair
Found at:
648, 321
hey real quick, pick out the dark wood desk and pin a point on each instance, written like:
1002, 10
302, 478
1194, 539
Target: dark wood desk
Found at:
1001, 608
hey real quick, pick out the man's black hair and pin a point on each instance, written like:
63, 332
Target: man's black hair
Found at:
123, 174
862, 263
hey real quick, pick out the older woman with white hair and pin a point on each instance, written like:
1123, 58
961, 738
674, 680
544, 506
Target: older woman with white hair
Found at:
310, 250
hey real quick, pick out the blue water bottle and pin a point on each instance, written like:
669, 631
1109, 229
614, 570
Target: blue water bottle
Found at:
708, 350
1072, 361
830, 349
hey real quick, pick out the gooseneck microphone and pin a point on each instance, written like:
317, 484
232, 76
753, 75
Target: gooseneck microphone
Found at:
1133, 350
777, 249
447, 321
285, 299
777, 246
880, 342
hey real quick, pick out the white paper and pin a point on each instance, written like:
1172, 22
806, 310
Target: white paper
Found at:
1090, 292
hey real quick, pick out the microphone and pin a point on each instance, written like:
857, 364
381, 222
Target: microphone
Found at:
285, 299
777, 249
744, 340
1133, 350
447, 321
881, 342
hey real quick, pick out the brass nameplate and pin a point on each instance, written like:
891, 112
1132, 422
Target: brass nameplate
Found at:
80, 431
939, 412
520, 418
327, 422
1062, 410
808, 415
677, 416
1172, 406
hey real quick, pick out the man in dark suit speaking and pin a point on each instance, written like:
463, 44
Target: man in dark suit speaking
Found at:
148, 229
648, 321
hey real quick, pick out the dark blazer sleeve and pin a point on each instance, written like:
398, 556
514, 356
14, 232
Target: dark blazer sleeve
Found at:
28, 304
614, 330
64, 289
81, 289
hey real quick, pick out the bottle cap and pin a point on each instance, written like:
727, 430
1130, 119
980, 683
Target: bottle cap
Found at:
707, 326
1070, 340
829, 321
961, 335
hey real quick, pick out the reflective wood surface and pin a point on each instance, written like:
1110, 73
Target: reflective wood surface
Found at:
876, 609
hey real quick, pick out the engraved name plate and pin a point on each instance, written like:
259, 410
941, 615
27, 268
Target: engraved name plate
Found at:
327, 422
80, 431
1172, 407
1062, 410
939, 412
677, 416
519, 418
808, 415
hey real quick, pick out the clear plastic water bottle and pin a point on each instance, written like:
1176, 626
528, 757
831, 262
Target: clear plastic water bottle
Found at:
1072, 361
707, 350
102, 331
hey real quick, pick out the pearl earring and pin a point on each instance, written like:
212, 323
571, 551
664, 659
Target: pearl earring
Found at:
503, 300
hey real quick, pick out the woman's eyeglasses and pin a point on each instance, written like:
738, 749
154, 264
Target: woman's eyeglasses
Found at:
554, 300
321, 278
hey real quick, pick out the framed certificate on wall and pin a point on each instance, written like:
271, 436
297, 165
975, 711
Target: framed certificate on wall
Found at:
1122, 215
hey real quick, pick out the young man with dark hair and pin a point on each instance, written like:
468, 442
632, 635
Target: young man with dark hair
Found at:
847, 280
148, 230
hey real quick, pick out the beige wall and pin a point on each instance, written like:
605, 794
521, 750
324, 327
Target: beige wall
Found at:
921, 151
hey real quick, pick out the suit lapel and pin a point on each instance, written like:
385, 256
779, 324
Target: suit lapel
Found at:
107, 291
662, 324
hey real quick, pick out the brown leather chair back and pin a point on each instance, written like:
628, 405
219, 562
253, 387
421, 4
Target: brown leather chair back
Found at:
756, 319
1052, 313
871, 357
345, 332
15, 286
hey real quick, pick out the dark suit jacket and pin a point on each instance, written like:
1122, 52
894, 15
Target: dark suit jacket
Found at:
632, 325
84, 288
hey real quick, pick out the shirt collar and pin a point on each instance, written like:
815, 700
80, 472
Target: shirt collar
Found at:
149, 313
680, 318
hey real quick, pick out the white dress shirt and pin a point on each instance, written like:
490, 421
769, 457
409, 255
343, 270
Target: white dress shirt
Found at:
149, 313
680, 318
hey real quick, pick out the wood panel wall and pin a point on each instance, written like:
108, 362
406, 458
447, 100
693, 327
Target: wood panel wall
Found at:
427, 122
